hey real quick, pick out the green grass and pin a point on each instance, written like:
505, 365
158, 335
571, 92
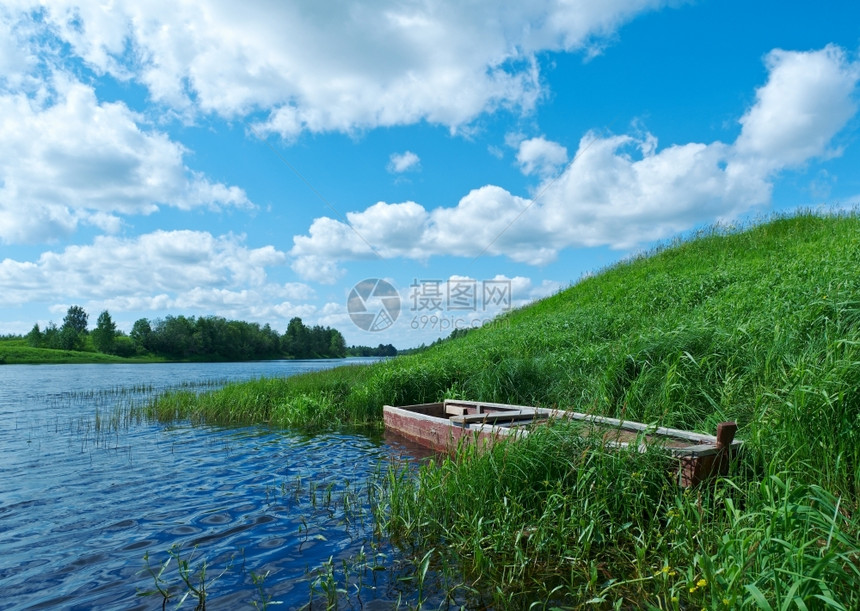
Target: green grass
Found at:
760, 325
321, 399
556, 520
17, 352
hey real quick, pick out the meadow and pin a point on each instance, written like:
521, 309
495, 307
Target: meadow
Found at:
757, 324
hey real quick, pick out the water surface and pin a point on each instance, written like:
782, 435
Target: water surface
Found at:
82, 502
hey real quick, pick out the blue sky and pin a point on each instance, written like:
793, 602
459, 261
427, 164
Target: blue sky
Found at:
258, 161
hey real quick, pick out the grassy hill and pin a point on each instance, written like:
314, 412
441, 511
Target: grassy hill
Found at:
760, 325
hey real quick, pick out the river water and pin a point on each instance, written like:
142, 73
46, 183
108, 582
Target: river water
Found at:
84, 498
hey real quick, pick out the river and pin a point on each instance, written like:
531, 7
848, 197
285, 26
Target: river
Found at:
84, 499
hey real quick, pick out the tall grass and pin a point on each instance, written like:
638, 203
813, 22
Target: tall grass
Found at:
558, 520
312, 400
757, 324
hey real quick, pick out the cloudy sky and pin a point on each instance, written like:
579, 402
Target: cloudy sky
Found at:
258, 160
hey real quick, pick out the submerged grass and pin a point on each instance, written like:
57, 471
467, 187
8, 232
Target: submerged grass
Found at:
760, 325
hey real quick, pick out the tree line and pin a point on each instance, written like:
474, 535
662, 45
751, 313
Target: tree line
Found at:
380, 350
193, 338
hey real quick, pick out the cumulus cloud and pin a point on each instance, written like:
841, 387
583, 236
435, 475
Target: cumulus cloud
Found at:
403, 162
70, 159
620, 190
382, 231
16, 59
540, 156
160, 271
807, 100
342, 67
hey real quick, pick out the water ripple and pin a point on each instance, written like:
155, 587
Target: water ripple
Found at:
79, 509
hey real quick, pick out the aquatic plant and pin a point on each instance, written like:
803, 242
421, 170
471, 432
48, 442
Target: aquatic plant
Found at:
192, 578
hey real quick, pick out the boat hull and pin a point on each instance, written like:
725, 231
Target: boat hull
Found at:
438, 433
447, 426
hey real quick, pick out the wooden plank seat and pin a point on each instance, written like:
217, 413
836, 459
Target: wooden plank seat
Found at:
503, 416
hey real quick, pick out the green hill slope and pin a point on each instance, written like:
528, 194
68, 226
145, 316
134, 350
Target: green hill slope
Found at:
761, 326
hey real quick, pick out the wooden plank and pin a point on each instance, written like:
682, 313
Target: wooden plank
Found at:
480, 405
637, 426
497, 417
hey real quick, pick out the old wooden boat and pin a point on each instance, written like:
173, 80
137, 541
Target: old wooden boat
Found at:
444, 426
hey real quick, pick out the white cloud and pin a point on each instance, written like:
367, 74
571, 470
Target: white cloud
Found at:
344, 66
383, 230
540, 156
166, 270
16, 60
69, 159
620, 190
489, 220
807, 100
322, 269
403, 162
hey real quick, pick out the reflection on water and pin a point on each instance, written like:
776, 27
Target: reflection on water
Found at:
80, 504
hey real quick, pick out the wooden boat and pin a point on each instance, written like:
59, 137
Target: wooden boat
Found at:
445, 426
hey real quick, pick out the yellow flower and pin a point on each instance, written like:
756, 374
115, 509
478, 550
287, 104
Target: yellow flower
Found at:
693, 589
702, 583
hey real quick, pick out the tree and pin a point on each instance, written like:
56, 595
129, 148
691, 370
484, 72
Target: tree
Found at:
70, 339
173, 337
141, 334
386, 350
35, 337
295, 340
337, 345
51, 336
104, 335
123, 346
76, 319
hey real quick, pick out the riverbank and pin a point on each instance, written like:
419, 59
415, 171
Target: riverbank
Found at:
17, 352
760, 326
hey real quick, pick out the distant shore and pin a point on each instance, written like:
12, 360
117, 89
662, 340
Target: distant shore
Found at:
17, 352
